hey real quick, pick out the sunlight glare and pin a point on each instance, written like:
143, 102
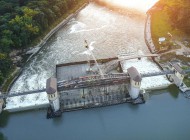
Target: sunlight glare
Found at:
142, 5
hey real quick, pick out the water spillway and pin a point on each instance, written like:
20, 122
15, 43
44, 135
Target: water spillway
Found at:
160, 117
104, 29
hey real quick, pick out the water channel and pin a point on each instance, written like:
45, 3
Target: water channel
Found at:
164, 116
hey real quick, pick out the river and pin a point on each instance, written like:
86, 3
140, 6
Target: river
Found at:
164, 116
101, 27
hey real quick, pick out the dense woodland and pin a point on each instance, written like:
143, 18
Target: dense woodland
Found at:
22, 21
178, 12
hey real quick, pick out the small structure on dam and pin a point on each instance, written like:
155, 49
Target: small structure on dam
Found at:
51, 90
135, 82
179, 74
81, 89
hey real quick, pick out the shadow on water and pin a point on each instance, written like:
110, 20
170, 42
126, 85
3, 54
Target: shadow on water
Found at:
174, 91
133, 107
2, 137
58, 121
4, 118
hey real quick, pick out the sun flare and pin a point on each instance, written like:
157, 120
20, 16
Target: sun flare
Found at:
137, 4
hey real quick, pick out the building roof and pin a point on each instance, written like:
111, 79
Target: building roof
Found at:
51, 85
161, 39
178, 68
134, 74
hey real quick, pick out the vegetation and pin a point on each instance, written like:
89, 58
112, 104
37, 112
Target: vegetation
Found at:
169, 56
187, 77
23, 21
170, 16
187, 81
170, 19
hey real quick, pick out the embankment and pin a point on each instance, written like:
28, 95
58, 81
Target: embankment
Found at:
147, 34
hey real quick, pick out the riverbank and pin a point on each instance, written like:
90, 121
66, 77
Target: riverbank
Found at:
147, 34
17, 72
172, 49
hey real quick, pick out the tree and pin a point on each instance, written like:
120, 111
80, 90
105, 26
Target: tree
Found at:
24, 27
5, 64
5, 7
178, 11
6, 41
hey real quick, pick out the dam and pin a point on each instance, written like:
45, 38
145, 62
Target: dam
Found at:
122, 52
161, 116
82, 85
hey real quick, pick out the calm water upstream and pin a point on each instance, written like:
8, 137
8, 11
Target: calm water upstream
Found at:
164, 116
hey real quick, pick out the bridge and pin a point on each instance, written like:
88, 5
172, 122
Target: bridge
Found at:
128, 57
14, 94
122, 57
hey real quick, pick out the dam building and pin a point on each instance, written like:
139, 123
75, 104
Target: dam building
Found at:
77, 86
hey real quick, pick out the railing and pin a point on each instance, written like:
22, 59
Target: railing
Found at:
157, 73
137, 56
93, 81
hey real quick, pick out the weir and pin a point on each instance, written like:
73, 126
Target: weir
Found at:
76, 88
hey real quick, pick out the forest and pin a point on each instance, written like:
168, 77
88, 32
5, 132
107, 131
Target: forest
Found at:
22, 21
170, 17
179, 13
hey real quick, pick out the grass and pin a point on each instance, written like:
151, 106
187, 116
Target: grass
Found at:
169, 56
187, 82
186, 79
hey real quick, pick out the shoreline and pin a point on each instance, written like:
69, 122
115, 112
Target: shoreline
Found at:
40, 46
147, 34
